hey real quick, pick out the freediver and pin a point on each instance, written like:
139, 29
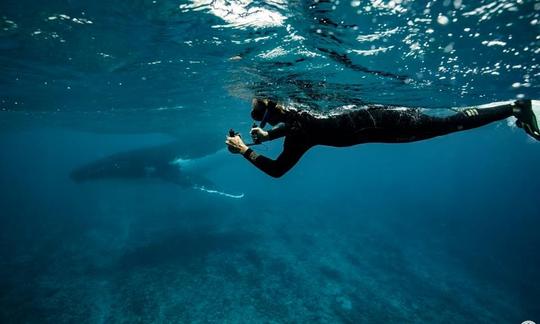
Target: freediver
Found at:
371, 124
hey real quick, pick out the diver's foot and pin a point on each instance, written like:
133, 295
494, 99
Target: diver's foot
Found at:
529, 117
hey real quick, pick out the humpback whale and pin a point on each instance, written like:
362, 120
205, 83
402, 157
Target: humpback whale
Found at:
163, 162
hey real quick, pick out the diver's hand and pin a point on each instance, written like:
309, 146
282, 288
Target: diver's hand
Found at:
258, 135
236, 145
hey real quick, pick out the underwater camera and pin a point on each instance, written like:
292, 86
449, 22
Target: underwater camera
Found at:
262, 124
233, 133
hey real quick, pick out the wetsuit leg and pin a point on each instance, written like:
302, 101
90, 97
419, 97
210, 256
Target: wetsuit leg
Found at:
397, 125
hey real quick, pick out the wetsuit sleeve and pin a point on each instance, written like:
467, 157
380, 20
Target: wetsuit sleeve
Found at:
278, 131
291, 154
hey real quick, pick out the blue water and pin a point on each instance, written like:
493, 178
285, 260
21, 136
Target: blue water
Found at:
439, 231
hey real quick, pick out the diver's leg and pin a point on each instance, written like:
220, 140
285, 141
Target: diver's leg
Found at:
471, 117
527, 113
397, 125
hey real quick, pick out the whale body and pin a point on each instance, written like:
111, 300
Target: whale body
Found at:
163, 162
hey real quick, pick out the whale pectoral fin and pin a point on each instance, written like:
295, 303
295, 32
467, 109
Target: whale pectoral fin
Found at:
183, 179
207, 186
218, 192
201, 181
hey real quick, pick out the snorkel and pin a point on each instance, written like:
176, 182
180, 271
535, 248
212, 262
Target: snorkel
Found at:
265, 118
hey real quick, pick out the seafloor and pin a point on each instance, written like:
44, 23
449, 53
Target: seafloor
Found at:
423, 247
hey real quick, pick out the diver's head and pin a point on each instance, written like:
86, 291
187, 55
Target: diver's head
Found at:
267, 111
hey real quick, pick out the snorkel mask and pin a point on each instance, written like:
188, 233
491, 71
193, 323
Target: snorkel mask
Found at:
267, 105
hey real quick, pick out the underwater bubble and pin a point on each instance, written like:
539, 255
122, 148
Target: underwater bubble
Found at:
494, 43
443, 20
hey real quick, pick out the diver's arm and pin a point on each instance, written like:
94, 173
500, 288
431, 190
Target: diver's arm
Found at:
259, 135
291, 154
280, 130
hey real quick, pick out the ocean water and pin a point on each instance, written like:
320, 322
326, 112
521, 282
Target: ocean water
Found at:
101, 103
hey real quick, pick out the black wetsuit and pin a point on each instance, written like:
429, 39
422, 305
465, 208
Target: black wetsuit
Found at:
374, 124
